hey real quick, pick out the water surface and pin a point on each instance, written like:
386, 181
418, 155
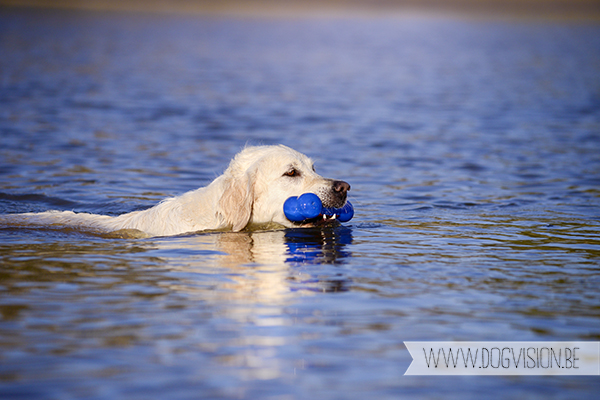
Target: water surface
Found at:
472, 148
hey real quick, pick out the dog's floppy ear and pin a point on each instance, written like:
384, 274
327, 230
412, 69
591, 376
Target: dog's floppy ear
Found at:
235, 205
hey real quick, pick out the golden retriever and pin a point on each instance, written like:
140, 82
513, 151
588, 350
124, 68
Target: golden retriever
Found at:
252, 190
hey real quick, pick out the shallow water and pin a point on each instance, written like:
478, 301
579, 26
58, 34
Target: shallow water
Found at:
472, 148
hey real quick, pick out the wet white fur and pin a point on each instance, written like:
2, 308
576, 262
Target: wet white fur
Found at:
252, 190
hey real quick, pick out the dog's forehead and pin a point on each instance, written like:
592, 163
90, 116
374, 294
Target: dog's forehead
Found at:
285, 159
271, 160
302, 161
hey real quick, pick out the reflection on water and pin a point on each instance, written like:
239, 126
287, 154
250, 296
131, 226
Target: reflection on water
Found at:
472, 151
262, 266
87, 294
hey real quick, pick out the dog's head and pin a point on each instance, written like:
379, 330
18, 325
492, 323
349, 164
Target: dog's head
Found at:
260, 179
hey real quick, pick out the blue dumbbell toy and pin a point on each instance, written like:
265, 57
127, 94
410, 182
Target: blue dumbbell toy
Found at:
309, 206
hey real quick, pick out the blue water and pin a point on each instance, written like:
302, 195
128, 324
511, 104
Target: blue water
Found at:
472, 148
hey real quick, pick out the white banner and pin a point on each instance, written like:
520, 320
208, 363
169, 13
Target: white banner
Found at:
504, 358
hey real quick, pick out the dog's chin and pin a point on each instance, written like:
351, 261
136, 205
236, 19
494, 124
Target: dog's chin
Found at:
309, 223
321, 220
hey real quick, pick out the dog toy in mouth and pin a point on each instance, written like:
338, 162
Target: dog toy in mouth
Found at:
308, 206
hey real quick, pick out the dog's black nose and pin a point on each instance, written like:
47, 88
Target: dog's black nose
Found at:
341, 187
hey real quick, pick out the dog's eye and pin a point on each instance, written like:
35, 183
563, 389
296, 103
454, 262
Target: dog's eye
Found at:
292, 172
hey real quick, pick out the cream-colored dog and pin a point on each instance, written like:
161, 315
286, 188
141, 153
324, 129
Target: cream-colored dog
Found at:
251, 191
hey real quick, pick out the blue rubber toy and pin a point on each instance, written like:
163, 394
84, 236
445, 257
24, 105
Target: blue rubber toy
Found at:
309, 206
